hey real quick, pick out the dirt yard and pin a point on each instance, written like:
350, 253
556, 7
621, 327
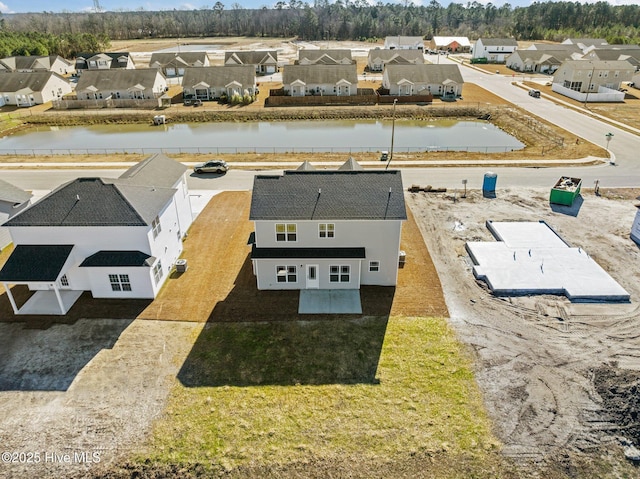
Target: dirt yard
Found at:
85, 384
559, 379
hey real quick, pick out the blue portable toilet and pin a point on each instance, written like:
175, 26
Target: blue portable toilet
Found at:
489, 184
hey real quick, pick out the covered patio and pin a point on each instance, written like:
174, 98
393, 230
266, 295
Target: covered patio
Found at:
41, 268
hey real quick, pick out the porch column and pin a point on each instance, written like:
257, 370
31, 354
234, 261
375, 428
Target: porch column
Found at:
60, 303
11, 300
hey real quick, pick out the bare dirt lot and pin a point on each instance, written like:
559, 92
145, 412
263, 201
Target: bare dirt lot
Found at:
558, 378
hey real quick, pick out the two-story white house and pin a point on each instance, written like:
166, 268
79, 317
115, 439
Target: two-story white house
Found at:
337, 229
115, 237
495, 50
592, 80
12, 201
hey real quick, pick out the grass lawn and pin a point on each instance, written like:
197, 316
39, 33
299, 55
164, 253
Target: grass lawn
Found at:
363, 392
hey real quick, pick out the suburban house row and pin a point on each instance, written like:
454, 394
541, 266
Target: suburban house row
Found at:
121, 237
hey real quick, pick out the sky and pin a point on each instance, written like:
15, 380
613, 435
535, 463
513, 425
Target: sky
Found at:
21, 6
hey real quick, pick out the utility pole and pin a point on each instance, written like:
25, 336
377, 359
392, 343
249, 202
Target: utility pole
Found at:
393, 128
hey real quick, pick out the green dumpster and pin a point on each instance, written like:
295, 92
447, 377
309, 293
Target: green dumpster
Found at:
565, 191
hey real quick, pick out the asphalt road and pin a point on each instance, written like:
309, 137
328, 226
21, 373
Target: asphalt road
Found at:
625, 172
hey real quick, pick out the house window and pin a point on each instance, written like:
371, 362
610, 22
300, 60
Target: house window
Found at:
64, 281
157, 272
155, 226
339, 273
326, 230
374, 266
286, 232
120, 282
287, 274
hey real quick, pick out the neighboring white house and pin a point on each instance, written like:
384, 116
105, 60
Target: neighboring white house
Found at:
635, 228
28, 89
495, 50
51, 63
211, 83
325, 57
378, 58
592, 81
450, 44
174, 64
103, 61
264, 61
337, 229
140, 84
400, 42
12, 201
333, 80
437, 80
540, 61
117, 238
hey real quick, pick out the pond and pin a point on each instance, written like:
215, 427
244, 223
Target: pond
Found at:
264, 137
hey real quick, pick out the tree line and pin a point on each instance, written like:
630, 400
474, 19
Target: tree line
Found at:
67, 33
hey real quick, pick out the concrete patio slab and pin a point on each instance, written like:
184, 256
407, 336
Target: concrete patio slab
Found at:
45, 302
531, 258
329, 301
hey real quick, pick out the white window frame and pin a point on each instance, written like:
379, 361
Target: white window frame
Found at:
289, 233
157, 272
374, 266
326, 230
156, 227
340, 273
286, 274
120, 282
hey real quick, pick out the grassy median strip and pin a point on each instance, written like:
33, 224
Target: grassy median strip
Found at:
283, 392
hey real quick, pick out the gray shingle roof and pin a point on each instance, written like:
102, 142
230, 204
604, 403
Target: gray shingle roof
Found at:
314, 55
437, 74
118, 259
499, 42
300, 253
156, 170
178, 59
35, 81
96, 202
41, 263
252, 57
31, 62
305, 195
319, 74
219, 76
13, 194
397, 56
111, 80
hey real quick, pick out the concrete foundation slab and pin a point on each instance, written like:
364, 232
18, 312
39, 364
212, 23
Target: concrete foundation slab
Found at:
45, 302
329, 301
531, 258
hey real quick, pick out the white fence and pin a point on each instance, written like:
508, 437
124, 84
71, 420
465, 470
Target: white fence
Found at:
603, 94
